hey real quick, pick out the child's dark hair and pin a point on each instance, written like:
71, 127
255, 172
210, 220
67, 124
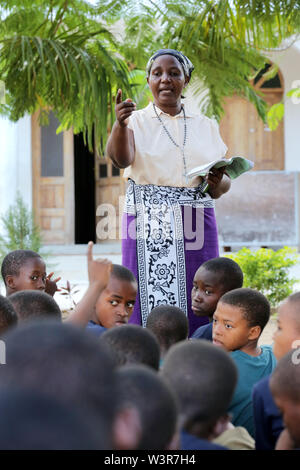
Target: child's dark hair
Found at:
8, 316
121, 272
254, 305
169, 324
141, 388
132, 344
44, 424
203, 378
33, 304
285, 380
14, 260
231, 274
62, 362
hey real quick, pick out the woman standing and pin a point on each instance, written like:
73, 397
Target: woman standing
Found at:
169, 226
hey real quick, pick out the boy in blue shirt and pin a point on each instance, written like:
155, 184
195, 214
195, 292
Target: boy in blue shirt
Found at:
238, 322
203, 378
268, 419
114, 305
214, 278
285, 386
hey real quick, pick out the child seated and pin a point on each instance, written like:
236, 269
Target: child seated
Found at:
214, 278
26, 270
115, 304
203, 378
169, 324
34, 305
285, 386
268, 420
146, 392
238, 322
132, 344
8, 316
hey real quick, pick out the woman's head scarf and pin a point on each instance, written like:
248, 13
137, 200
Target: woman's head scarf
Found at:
182, 59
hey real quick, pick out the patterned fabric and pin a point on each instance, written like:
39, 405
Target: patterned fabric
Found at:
162, 238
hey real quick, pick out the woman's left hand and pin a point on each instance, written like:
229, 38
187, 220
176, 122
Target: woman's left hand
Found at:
214, 177
218, 184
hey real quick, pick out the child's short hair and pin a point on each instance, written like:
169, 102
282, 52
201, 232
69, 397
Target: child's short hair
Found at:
121, 272
231, 274
143, 389
204, 378
62, 362
14, 260
132, 344
254, 305
169, 324
33, 304
285, 380
44, 424
8, 316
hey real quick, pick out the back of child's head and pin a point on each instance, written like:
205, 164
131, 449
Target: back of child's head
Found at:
285, 386
204, 378
142, 389
8, 316
132, 344
14, 260
62, 362
34, 305
230, 274
31, 421
169, 324
254, 305
122, 273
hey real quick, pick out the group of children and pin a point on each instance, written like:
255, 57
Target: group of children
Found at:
150, 388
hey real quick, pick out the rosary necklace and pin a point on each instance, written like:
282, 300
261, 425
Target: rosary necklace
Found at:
181, 148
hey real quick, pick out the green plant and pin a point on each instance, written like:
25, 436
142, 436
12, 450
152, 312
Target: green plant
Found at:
268, 271
19, 229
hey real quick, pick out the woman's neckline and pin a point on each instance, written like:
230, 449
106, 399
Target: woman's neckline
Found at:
166, 112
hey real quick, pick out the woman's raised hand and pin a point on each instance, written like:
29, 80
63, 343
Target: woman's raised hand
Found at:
123, 109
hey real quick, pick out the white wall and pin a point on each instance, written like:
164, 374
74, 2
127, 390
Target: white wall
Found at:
289, 64
15, 162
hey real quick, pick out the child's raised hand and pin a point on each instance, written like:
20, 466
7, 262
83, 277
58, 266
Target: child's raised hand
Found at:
99, 269
123, 109
51, 285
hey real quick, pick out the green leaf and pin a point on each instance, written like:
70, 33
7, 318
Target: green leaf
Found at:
275, 115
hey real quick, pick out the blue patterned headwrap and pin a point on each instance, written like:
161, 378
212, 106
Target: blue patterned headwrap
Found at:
182, 59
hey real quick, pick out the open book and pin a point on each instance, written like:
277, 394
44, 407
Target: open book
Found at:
235, 166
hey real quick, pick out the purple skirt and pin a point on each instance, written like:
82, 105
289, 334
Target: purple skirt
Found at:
167, 233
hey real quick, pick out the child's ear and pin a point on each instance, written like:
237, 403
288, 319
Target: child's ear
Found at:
255, 332
10, 281
127, 429
221, 425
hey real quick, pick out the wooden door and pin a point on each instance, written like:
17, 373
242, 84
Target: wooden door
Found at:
245, 134
53, 182
110, 191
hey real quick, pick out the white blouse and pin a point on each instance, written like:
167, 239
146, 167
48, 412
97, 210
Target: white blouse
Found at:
157, 160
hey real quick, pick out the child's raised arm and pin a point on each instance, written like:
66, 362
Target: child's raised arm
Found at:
99, 273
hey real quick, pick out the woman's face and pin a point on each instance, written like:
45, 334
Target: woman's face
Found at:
166, 81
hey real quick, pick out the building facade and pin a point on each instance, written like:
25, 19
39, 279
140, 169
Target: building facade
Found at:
74, 193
